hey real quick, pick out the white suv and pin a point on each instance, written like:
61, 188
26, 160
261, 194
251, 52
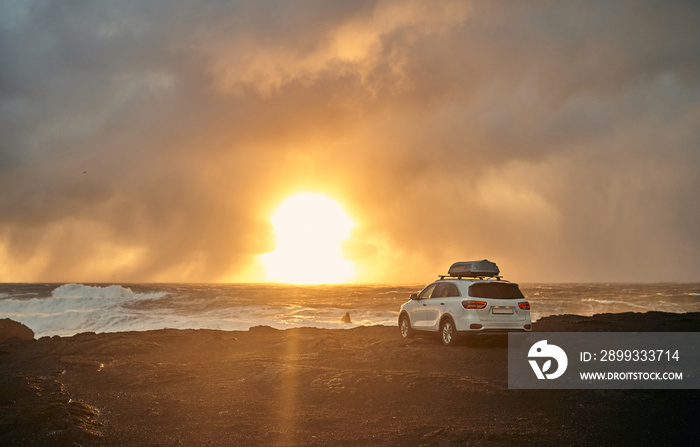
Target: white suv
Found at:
471, 299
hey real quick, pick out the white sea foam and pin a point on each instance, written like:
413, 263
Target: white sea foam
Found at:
74, 308
615, 302
110, 293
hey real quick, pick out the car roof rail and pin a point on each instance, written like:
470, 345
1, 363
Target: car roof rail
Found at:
482, 278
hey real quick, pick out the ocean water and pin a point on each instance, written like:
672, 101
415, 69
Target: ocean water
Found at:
68, 309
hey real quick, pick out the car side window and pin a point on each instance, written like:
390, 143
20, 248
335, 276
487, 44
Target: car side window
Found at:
427, 292
451, 290
445, 290
441, 290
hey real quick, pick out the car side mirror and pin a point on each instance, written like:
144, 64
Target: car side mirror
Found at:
414, 296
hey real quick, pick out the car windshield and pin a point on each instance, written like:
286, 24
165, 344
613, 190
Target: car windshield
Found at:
495, 290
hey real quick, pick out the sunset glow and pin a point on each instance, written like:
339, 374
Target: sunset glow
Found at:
153, 141
309, 232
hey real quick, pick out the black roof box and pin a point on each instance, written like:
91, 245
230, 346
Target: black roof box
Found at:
473, 269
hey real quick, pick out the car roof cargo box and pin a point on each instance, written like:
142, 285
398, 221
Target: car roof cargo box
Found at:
473, 269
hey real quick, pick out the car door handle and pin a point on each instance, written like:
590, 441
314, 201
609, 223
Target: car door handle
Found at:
424, 304
442, 304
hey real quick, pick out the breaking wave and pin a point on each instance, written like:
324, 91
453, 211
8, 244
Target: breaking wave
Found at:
74, 308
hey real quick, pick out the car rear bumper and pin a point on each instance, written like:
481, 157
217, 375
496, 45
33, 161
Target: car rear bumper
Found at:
477, 325
475, 332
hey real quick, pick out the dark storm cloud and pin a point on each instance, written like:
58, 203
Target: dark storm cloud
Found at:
152, 140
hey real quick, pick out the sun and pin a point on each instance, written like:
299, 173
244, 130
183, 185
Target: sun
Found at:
309, 231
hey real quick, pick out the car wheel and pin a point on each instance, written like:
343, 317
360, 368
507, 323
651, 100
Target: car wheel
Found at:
448, 332
405, 327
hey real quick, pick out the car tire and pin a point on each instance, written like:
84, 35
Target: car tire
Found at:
405, 327
448, 332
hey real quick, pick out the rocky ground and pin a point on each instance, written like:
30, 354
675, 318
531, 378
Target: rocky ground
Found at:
363, 386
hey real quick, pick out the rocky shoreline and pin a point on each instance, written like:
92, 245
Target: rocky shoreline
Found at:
363, 386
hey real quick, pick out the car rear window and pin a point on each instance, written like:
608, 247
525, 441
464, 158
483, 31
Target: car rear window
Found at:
495, 290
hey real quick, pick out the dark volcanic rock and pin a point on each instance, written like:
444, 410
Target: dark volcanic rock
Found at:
622, 322
263, 329
309, 386
10, 328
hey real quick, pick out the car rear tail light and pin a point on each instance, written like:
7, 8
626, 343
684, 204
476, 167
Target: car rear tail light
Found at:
474, 326
470, 304
528, 326
524, 305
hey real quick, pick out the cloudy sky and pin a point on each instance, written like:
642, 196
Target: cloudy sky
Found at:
152, 140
